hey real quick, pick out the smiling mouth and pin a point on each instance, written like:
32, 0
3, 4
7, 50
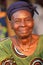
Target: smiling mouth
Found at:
23, 31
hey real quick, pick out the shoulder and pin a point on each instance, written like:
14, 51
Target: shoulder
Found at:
5, 48
41, 45
41, 37
5, 41
8, 40
40, 42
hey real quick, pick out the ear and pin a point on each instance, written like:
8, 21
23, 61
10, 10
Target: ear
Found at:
10, 24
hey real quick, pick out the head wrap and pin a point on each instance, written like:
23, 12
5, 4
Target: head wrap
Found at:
20, 5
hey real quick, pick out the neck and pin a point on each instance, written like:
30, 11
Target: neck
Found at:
26, 40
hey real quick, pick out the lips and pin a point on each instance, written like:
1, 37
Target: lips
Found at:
23, 30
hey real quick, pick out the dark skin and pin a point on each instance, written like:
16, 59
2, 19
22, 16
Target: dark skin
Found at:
22, 23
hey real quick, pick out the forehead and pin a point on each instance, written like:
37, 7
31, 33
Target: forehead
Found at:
21, 14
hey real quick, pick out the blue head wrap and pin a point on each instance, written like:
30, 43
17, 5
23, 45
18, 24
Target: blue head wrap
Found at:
20, 5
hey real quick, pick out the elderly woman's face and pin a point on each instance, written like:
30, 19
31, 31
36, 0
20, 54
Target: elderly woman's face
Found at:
22, 23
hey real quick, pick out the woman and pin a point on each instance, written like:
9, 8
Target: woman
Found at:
24, 48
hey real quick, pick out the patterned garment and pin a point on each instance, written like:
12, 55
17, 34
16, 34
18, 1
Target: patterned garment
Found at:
3, 31
7, 54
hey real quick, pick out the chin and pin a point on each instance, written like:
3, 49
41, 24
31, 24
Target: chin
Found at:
24, 36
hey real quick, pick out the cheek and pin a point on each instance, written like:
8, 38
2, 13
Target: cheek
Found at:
15, 26
30, 24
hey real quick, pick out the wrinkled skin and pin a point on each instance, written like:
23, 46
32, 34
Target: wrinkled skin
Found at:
22, 23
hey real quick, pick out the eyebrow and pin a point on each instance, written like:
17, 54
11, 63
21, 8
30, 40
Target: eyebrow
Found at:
29, 17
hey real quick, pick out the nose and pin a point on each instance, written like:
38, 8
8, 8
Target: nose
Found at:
23, 23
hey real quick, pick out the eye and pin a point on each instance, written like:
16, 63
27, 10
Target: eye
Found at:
17, 21
28, 19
